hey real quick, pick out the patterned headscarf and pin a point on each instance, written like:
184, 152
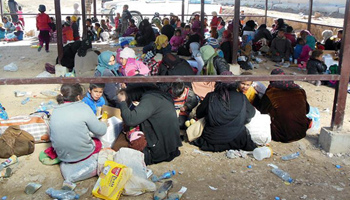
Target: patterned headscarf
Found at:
284, 85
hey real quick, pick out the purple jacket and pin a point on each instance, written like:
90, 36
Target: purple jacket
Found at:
132, 30
176, 42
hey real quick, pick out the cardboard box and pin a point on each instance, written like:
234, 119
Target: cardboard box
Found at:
110, 110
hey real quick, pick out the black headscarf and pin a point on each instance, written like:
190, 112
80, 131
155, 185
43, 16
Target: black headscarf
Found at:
285, 85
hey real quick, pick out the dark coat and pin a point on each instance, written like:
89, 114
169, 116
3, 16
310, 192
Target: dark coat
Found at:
146, 34
315, 66
225, 125
168, 30
329, 44
157, 118
262, 33
226, 47
287, 109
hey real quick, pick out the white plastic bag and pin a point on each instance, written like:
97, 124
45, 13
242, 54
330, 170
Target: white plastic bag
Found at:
79, 171
259, 128
104, 155
113, 131
138, 183
12, 67
314, 115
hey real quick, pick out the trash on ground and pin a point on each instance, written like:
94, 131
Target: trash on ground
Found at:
67, 185
200, 152
166, 175
10, 161
249, 167
49, 93
74, 172
213, 188
272, 165
236, 154
262, 153
149, 173
177, 195
62, 194
46, 106
22, 93
338, 166
162, 191
282, 175
291, 156
44, 74
25, 101
31, 188
4, 198
5, 173
12, 67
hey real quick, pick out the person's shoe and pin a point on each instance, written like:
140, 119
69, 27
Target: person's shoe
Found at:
47, 51
39, 49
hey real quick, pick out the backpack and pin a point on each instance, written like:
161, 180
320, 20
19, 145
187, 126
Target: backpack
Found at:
15, 141
3, 113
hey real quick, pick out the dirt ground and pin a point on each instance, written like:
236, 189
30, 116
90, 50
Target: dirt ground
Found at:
315, 174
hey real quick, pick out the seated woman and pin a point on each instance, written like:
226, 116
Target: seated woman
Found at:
156, 115
71, 124
161, 45
132, 29
214, 65
287, 106
226, 46
226, 112
309, 46
107, 67
145, 34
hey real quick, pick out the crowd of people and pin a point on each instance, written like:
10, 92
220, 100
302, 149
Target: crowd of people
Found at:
160, 111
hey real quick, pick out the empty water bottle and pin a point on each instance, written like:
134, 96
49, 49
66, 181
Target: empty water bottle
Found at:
25, 101
162, 191
164, 176
291, 156
282, 174
62, 194
46, 106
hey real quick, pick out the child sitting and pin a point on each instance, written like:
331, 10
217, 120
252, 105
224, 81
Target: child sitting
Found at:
298, 48
104, 25
94, 97
186, 31
246, 46
176, 41
131, 66
184, 101
215, 44
161, 45
98, 30
247, 89
17, 35
67, 33
8, 26
315, 65
71, 124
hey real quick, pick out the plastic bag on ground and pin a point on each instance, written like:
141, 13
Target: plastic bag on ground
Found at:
259, 128
314, 115
104, 155
138, 183
12, 67
79, 171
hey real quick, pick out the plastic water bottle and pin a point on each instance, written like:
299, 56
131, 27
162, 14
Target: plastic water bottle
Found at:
282, 174
62, 194
25, 101
166, 175
291, 156
162, 191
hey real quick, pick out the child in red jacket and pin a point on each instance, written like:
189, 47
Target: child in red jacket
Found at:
42, 24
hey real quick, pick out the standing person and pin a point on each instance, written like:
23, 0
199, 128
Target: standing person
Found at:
226, 112
73, 119
20, 16
77, 13
13, 10
88, 7
287, 106
67, 33
126, 16
75, 27
89, 29
214, 25
42, 24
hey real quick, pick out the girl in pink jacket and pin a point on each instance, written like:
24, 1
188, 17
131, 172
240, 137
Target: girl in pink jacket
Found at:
176, 41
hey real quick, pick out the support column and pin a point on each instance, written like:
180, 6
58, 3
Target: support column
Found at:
266, 7
311, 2
83, 18
182, 11
202, 18
236, 31
344, 67
59, 30
1, 10
95, 10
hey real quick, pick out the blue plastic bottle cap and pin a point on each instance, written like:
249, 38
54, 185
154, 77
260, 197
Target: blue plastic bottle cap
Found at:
77, 196
338, 166
173, 172
277, 198
4, 198
249, 166
298, 153
290, 180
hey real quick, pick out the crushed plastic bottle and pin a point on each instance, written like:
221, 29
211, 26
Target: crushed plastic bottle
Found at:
62, 194
162, 191
291, 156
46, 106
49, 93
177, 195
25, 101
166, 175
282, 174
